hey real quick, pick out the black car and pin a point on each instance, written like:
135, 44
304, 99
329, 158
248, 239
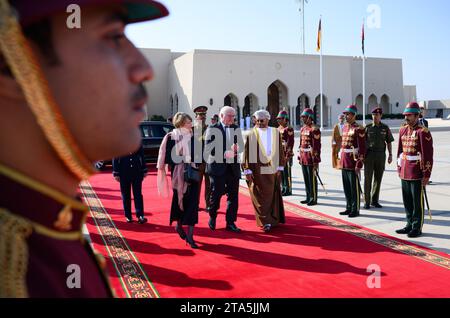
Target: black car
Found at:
152, 133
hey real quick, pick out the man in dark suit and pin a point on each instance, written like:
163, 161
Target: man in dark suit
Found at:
422, 120
130, 171
224, 143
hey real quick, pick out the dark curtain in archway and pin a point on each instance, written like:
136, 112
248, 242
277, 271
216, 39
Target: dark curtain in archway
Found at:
274, 104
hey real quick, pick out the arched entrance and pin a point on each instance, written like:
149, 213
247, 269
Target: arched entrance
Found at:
250, 105
373, 102
277, 100
176, 104
232, 101
359, 103
302, 103
385, 104
317, 114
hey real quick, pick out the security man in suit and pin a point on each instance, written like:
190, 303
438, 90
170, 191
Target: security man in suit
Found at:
415, 163
130, 171
353, 150
51, 75
224, 144
378, 137
287, 137
200, 127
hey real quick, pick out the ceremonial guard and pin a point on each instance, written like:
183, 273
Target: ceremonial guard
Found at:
287, 137
200, 127
352, 153
378, 137
336, 141
57, 83
415, 162
309, 155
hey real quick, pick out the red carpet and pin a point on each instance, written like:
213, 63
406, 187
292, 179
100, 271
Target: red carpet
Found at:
313, 255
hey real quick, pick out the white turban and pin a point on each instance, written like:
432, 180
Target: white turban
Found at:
262, 114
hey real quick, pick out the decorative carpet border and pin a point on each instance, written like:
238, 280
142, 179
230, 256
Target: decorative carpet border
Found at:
393, 244
133, 278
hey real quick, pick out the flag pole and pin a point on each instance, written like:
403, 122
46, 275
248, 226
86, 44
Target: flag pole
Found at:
364, 75
321, 75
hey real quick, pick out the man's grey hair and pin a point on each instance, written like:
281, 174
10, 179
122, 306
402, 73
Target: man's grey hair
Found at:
262, 114
227, 109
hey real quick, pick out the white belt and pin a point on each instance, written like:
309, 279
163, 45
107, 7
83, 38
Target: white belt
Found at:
350, 150
412, 158
306, 149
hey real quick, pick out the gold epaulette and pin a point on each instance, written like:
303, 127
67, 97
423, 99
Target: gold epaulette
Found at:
424, 129
14, 231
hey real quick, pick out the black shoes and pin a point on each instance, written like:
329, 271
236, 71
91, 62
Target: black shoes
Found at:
377, 205
192, 243
129, 220
406, 230
304, 202
410, 232
181, 232
267, 228
212, 223
142, 220
353, 215
367, 206
312, 203
345, 213
414, 233
233, 228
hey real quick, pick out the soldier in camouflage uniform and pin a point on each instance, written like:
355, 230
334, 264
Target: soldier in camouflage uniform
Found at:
378, 137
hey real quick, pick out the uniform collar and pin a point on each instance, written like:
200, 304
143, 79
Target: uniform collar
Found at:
51, 211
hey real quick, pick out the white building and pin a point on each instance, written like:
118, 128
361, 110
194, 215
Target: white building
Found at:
249, 81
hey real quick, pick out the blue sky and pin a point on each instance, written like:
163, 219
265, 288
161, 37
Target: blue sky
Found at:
416, 31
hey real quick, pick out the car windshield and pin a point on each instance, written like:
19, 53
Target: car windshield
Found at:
157, 131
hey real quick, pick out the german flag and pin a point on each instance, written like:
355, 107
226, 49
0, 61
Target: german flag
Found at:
319, 37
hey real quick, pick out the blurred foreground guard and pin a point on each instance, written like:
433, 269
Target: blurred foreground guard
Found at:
415, 162
55, 89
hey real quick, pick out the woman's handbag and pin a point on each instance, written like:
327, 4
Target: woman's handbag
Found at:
191, 174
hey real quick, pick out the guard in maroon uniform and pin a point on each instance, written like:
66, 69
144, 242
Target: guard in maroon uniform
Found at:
353, 149
71, 93
287, 138
309, 155
415, 162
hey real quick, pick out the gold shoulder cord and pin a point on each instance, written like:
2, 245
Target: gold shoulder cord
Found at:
14, 232
25, 68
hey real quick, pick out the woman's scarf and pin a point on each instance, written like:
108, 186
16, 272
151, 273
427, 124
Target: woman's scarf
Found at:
181, 154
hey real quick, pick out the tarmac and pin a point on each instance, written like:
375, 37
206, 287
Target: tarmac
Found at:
436, 233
